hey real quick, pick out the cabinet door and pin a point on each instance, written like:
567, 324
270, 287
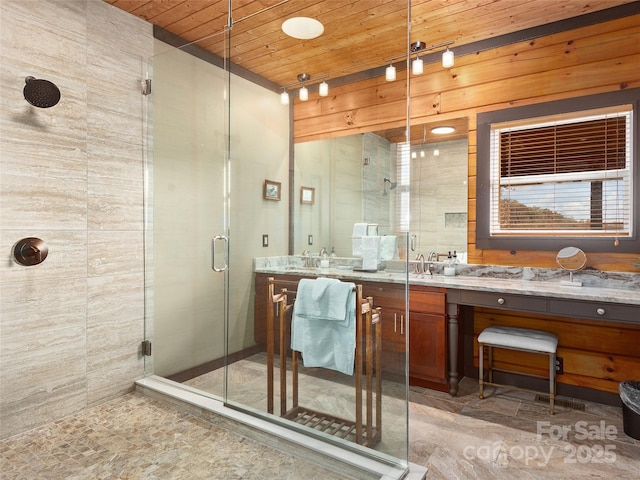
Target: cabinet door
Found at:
427, 347
394, 335
391, 298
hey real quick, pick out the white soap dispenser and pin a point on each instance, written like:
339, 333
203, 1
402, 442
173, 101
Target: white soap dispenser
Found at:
449, 266
324, 260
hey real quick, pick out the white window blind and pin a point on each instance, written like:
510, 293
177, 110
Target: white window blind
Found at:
563, 175
403, 160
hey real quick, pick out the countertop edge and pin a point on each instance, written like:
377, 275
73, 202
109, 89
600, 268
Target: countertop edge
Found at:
533, 288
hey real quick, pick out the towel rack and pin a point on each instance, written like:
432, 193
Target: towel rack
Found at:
365, 431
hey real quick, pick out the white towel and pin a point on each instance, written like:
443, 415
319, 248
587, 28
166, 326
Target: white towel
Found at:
359, 231
323, 326
370, 252
388, 247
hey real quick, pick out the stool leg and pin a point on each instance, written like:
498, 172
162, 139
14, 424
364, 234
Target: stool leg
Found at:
490, 366
480, 365
552, 382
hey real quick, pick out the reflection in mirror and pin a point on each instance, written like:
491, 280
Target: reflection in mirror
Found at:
372, 177
348, 174
572, 259
439, 198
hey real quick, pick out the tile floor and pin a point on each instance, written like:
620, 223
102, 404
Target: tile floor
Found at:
510, 435
135, 437
506, 436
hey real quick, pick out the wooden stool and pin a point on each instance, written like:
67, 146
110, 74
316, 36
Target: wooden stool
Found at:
523, 340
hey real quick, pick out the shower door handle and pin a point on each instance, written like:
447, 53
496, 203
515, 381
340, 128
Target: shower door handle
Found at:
213, 253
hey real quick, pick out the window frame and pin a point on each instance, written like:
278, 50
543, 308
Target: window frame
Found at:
540, 241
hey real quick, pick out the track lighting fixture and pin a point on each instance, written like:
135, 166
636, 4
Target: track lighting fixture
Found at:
390, 73
447, 58
417, 65
284, 98
323, 89
303, 92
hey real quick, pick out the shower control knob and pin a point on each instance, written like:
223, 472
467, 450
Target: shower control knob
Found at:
30, 251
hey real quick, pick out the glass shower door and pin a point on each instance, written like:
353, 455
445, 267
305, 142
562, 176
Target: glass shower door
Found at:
187, 208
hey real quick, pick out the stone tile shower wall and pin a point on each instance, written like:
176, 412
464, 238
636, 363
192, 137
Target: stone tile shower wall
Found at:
376, 207
72, 175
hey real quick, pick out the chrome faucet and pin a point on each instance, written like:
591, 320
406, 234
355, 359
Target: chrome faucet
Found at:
308, 260
323, 251
420, 266
433, 256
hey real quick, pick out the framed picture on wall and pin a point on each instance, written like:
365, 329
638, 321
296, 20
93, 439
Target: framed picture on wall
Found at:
272, 190
307, 195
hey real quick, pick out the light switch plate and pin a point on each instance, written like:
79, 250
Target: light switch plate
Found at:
265, 240
310, 239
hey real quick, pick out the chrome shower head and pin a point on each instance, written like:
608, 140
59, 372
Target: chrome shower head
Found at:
41, 93
392, 185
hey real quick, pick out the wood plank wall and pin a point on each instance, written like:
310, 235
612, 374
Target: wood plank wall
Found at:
589, 60
596, 355
595, 59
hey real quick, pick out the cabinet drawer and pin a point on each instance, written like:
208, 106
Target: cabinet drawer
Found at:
394, 326
427, 302
385, 295
500, 300
595, 310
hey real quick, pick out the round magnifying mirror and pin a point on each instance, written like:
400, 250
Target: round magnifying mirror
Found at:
571, 259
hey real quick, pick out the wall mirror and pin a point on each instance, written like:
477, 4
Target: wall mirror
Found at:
375, 176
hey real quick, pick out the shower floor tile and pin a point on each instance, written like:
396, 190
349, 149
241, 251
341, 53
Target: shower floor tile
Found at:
135, 437
508, 436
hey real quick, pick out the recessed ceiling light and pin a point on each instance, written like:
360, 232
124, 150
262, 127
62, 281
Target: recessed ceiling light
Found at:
442, 130
303, 28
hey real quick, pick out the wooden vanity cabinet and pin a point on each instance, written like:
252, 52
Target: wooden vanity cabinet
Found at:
426, 329
428, 338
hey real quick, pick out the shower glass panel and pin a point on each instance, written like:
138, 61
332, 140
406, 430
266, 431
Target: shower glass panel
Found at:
217, 139
341, 192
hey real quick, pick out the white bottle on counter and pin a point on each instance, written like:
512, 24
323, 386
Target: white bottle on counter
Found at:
449, 266
324, 260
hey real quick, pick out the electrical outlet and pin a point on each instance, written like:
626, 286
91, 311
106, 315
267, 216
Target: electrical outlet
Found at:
559, 366
310, 239
265, 240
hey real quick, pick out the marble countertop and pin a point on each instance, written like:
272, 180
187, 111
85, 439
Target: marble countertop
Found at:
611, 287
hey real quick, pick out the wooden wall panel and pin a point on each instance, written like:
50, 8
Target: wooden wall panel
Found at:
595, 59
595, 354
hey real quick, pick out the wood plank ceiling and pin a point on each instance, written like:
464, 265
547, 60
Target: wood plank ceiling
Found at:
359, 35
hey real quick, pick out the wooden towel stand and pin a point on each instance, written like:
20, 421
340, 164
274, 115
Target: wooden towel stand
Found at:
368, 346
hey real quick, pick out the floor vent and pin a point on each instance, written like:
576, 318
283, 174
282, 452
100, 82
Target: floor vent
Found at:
561, 403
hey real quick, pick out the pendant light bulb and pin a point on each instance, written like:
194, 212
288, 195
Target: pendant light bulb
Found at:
417, 66
304, 94
447, 58
390, 73
284, 98
323, 89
